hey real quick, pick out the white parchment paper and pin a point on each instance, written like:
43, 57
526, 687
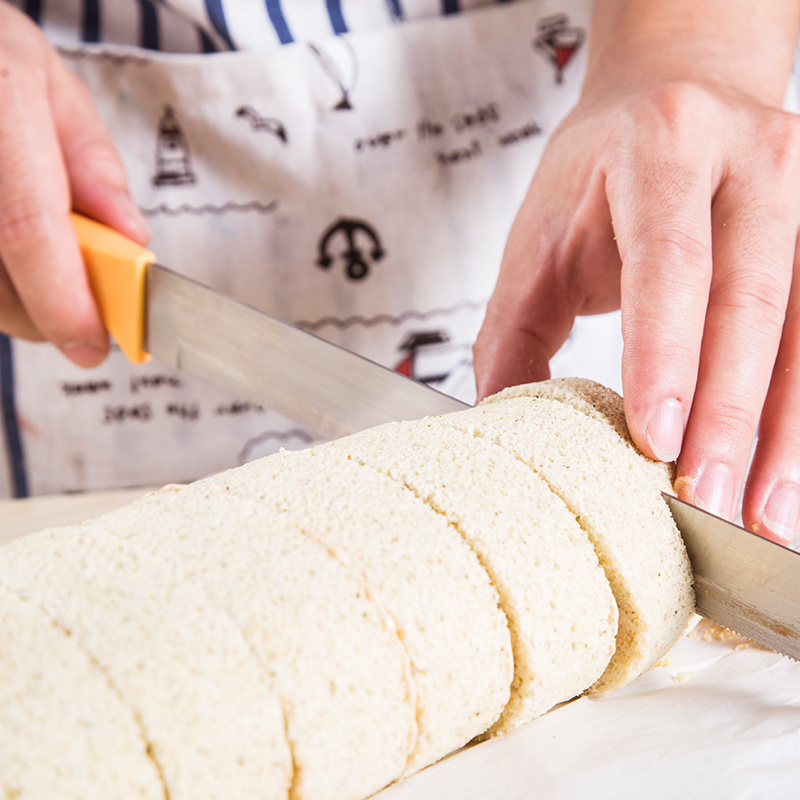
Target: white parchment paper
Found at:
719, 719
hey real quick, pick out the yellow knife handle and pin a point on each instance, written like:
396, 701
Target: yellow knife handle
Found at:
117, 269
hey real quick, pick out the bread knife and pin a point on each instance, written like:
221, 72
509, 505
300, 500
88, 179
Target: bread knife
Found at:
152, 311
742, 581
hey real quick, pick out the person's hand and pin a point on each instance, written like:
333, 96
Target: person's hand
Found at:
55, 156
673, 191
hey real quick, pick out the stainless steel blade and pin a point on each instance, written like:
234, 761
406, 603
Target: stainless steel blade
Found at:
742, 581
327, 388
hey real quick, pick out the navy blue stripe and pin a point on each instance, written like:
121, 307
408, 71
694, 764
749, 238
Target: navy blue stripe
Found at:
91, 21
337, 18
206, 43
8, 408
278, 21
217, 17
395, 9
33, 8
450, 7
148, 30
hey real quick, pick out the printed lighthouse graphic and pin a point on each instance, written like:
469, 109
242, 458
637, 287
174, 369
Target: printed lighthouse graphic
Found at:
173, 162
559, 41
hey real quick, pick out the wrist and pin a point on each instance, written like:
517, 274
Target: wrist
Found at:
639, 44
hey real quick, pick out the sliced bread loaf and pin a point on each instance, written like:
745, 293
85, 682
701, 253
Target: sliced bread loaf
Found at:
606, 486
419, 567
209, 715
332, 652
64, 730
527, 540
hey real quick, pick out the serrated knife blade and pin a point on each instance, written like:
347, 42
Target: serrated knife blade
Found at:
742, 581
332, 391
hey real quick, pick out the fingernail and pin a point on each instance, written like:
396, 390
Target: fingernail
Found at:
714, 490
84, 354
664, 432
782, 512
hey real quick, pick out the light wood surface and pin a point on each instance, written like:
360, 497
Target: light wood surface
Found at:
18, 517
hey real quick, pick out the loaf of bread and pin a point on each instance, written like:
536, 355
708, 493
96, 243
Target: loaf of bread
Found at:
316, 625
64, 729
417, 565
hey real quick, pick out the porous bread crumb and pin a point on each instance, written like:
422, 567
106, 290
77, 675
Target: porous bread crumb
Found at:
607, 487
65, 730
596, 401
332, 653
527, 541
206, 708
425, 575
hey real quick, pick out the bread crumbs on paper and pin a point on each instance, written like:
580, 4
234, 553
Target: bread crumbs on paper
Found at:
708, 631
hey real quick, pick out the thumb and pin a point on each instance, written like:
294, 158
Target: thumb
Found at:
529, 315
507, 354
561, 260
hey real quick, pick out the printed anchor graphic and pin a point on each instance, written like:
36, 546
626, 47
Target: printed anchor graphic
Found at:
559, 41
355, 259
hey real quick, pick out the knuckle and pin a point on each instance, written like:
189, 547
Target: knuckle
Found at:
650, 339
677, 101
790, 441
758, 299
104, 164
736, 422
684, 248
675, 352
686, 254
779, 136
22, 224
673, 112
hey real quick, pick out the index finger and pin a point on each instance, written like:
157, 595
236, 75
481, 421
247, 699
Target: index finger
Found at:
660, 199
37, 243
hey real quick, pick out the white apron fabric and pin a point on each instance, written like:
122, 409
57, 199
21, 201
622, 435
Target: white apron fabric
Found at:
358, 186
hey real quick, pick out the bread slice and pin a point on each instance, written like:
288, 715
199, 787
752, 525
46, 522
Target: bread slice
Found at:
333, 654
597, 401
208, 713
417, 565
527, 540
64, 731
606, 486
